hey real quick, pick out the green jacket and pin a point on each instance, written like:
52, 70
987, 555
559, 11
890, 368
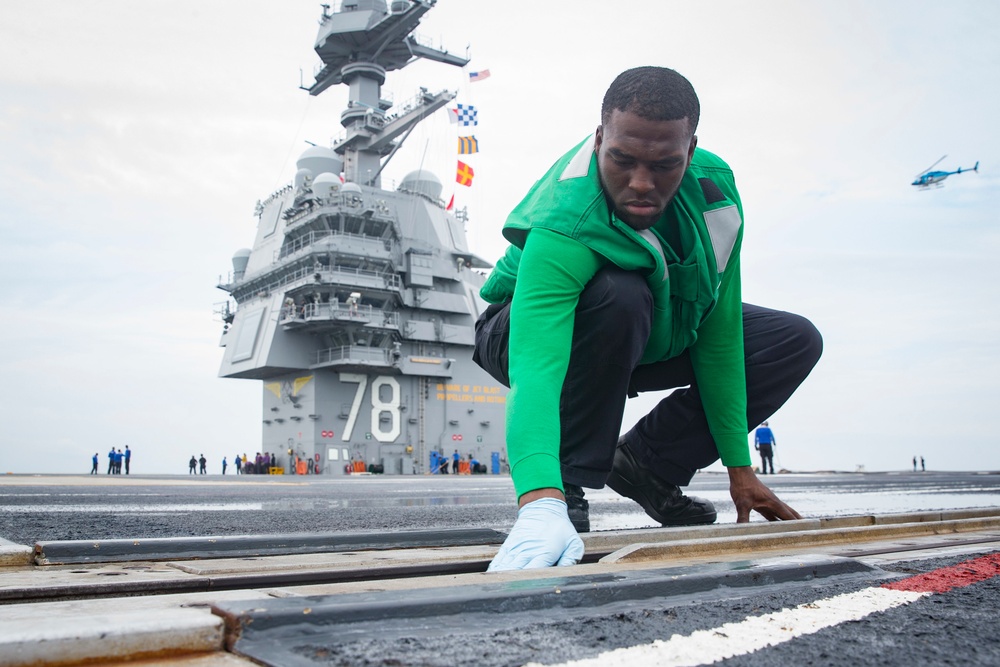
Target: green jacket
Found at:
690, 259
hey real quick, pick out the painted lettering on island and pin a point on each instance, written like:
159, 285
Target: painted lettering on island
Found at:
470, 393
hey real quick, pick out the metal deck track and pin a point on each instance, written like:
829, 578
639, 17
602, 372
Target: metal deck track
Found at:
118, 568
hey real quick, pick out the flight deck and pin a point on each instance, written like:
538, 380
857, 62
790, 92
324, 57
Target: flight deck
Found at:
418, 593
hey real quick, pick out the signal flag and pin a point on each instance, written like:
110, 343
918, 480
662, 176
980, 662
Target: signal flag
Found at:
465, 174
464, 114
468, 145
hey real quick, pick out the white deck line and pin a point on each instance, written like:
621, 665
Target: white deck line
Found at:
705, 647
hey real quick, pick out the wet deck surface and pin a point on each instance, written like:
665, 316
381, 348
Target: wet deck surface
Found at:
427, 603
34, 508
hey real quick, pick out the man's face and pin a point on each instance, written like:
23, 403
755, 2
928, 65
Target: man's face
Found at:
641, 163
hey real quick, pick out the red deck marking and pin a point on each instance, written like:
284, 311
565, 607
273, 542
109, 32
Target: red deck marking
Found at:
947, 578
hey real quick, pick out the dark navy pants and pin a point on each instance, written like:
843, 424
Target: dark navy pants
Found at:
613, 322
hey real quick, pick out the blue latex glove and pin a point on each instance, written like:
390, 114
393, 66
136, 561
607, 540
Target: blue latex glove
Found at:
542, 536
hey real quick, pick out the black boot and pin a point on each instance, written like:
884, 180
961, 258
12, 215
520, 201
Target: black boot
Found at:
661, 500
579, 508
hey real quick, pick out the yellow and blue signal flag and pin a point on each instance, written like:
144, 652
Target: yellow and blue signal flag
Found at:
468, 145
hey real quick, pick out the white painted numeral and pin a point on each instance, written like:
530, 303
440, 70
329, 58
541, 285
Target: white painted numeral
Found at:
391, 405
362, 381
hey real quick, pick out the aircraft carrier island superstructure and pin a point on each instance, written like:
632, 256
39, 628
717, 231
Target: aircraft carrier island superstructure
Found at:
356, 305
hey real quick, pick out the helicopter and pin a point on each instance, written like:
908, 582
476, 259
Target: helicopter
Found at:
928, 178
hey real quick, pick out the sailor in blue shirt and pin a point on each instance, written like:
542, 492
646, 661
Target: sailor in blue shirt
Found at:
764, 443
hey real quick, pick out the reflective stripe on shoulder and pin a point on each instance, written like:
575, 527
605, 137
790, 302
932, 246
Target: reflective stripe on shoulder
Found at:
580, 164
723, 226
655, 243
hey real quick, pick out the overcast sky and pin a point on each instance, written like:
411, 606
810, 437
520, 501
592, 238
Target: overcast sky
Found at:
135, 139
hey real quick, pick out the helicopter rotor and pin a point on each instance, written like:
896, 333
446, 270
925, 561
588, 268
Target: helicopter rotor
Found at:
931, 167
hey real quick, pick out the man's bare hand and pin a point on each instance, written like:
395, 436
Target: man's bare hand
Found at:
749, 493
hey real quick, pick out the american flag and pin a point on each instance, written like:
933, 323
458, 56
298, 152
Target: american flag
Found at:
479, 76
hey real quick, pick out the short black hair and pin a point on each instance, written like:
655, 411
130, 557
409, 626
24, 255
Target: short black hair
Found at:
653, 93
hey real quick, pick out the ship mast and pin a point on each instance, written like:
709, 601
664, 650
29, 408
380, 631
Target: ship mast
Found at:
358, 44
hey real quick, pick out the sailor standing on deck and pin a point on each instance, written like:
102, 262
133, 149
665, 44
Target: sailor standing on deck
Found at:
627, 255
765, 443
